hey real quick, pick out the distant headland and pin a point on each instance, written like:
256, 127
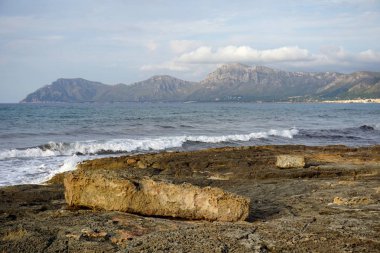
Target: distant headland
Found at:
231, 82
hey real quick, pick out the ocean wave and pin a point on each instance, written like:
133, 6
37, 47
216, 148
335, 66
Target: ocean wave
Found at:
29, 152
363, 132
68, 164
165, 126
243, 137
130, 145
38, 170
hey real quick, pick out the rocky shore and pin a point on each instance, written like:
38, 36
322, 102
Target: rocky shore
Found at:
327, 199
349, 101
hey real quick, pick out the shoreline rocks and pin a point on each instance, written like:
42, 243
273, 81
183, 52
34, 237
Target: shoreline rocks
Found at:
290, 209
153, 198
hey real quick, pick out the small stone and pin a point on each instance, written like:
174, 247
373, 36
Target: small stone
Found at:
353, 201
156, 165
73, 236
131, 161
141, 165
290, 161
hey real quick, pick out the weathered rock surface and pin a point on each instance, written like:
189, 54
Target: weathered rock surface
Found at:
290, 210
149, 197
290, 161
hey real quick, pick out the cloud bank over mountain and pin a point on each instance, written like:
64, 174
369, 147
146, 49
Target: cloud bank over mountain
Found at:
291, 56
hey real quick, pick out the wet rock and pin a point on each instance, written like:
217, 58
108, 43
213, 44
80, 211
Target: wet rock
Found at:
290, 161
366, 128
101, 189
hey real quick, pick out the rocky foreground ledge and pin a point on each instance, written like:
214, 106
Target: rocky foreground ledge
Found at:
308, 199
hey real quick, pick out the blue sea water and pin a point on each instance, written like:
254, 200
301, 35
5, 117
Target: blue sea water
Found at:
40, 140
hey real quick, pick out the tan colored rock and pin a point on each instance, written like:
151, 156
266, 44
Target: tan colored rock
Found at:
99, 189
131, 161
141, 165
156, 165
290, 161
218, 176
353, 201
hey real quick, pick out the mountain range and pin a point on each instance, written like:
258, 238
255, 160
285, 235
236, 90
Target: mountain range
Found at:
230, 82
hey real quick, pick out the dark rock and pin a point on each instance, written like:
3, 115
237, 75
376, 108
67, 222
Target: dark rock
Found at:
366, 128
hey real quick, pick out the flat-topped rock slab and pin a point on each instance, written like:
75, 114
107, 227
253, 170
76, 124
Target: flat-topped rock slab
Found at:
145, 196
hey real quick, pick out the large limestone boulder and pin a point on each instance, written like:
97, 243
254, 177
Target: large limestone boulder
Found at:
99, 189
290, 161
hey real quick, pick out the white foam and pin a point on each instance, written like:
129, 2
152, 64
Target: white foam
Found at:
244, 137
39, 164
30, 152
129, 145
26, 171
69, 164
36, 170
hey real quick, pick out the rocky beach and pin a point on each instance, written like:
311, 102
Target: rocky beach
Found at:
301, 198
204, 126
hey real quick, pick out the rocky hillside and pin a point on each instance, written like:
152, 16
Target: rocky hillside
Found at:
355, 85
68, 90
156, 88
230, 82
242, 82
246, 83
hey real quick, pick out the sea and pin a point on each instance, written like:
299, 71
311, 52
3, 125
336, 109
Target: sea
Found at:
38, 141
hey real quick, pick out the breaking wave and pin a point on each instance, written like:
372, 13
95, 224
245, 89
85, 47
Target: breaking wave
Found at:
130, 145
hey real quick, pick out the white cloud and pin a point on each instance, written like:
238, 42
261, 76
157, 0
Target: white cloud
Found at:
369, 56
340, 57
181, 46
282, 57
245, 54
151, 45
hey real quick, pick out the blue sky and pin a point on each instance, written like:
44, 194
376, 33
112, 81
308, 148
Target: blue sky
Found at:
119, 41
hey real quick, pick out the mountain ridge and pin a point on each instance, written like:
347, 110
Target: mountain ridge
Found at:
229, 82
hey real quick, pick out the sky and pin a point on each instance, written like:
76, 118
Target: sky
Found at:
125, 41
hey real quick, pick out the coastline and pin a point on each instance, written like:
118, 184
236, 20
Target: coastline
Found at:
354, 101
331, 204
